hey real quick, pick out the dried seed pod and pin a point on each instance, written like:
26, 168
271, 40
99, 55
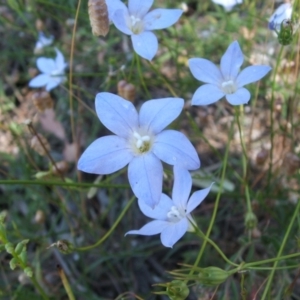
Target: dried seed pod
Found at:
35, 144
42, 100
98, 17
126, 90
129, 92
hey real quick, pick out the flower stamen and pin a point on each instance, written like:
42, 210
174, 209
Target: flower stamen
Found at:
228, 87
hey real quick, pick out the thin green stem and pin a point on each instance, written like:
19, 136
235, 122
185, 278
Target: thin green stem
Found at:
212, 221
110, 230
141, 75
272, 117
202, 235
287, 233
238, 114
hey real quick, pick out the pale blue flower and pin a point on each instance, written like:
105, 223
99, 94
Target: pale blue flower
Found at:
138, 22
42, 42
53, 72
227, 81
172, 218
228, 4
141, 142
282, 14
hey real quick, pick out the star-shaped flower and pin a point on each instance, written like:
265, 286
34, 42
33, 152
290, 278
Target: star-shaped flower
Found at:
226, 81
42, 42
53, 72
228, 4
281, 14
141, 142
137, 22
172, 217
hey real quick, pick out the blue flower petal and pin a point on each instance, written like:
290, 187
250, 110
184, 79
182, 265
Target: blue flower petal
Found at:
156, 114
160, 211
207, 94
105, 155
113, 6
231, 61
53, 83
196, 199
139, 8
161, 18
59, 61
181, 187
145, 44
152, 228
39, 81
171, 234
174, 148
46, 65
205, 71
251, 74
121, 18
145, 174
117, 114
241, 96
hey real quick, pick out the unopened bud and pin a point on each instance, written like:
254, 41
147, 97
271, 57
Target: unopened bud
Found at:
177, 290
250, 220
286, 33
212, 276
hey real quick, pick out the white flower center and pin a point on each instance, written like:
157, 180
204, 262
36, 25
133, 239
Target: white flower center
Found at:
141, 143
228, 87
174, 215
56, 73
136, 25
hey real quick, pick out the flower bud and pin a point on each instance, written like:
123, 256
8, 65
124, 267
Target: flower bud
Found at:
212, 276
286, 33
250, 220
177, 290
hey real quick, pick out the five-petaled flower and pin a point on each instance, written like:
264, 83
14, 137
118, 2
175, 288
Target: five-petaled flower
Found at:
137, 22
172, 218
42, 42
282, 14
141, 142
228, 4
226, 81
53, 72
